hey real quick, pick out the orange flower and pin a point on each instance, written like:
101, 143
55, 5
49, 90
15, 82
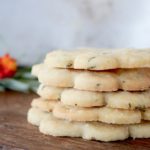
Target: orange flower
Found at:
8, 66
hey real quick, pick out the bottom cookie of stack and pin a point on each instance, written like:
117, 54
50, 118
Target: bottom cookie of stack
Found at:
50, 125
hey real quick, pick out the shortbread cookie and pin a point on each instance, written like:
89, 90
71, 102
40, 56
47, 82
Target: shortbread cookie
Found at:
45, 105
36, 69
35, 116
146, 114
60, 59
94, 113
103, 114
50, 93
96, 81
128, 100
99, 59
79, 98
57, 77
141, 130
130, 80
50, 125
74, 97
90, 131
134, 79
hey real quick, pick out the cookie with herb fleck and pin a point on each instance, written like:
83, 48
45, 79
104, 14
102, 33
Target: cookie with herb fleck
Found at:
73, 97
51, 125
141, 130
35, 115
70, 96
45, 105
81, 98
60, 59
103, 114
57, 77
99, 59
146, 114
128, 100
124, 79
49, 92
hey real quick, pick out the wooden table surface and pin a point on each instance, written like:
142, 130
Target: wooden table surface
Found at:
17, 134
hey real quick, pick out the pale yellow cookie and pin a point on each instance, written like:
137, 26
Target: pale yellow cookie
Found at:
50, 125
90, 131
118, 99
134, 79
57, 127
103, 114
104, 132
35, 115
79, 98
141, 130
50, 93
36, 69
128, 100
119, 116
60, 59
102, 60
99, 59
44, 105
57, 77
96, 81
133, 58
146, 114
129, 80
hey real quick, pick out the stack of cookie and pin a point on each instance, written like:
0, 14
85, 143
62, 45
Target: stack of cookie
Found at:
99, 94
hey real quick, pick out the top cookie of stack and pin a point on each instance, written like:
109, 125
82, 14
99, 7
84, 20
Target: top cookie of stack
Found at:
99, 59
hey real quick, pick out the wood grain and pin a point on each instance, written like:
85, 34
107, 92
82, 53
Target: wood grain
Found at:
17, 134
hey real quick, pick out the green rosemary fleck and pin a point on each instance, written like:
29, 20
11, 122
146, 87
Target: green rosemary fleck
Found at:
130, 106
91, 67
98, 84
91, 58
69, 65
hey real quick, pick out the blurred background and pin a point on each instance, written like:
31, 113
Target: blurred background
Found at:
31, 28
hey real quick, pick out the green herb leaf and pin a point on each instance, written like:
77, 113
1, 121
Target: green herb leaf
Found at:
23, 81
13, 84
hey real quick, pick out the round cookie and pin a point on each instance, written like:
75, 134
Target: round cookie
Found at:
104, 132
44, 105
103, 114
99, 59
50, 125
80, 98
35, 115
146, 114
60, 59
141, 130
36, 69
134, 79
128, 100
96, 81
57, 77
50, 93
128, 80
58, 127
90, 131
